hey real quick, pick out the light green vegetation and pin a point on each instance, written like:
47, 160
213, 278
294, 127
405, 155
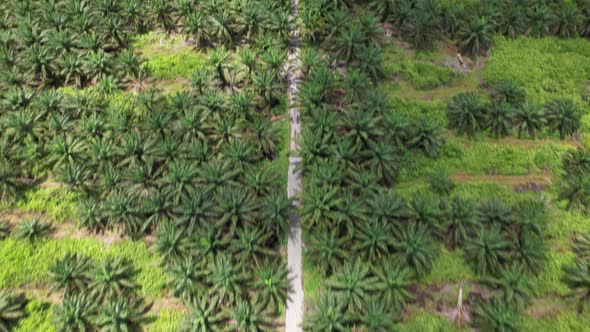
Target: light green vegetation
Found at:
548, 68
168, 56
57, 202
312, 279
39, 318
448, 267
426, 322
562, 322
168, 320
24, 263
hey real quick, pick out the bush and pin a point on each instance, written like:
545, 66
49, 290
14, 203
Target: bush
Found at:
425, 75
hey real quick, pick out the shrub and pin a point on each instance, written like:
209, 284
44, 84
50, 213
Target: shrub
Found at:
424, 75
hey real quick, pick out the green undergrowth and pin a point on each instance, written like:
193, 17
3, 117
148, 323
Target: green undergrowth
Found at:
449, 266
280, 166
562, 322
57, 202
168, 57
24, 263
167, 320
548, 68
426, 322
38, 318
312, 279
481, 157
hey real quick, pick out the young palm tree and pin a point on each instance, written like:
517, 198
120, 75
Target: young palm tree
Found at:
384, 160
113, 277
488, 250
328, 314
495, 316
421, 25
9, 181
274, 211
530, 253
76, 313
576, 163
576, 191
248, 317
377, 316
494, 212
576, 276
320, 206
372, 240
251, 245
327, 250
71, 274
12, 309
387, 207
271, 285
124, 314
171, 243
186, 280
581, 245
204, 316
226, 279
414, 247
512, 284
4, 229
466, 113
563, 116
476, 35
566, 20
235, 207
500, 120
33, 229
353, 283
393, 284
540, 19
530, 118
348, 42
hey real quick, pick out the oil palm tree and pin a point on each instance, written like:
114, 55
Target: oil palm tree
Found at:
494, 212
421, 25
414, 247
227, 280
513, 285
495, 315
12, 310
271, 284
274, 210
393, 283
372, 240
530, 118
124, 314
248, 317
353, 283
500, 120
203, 316
187, 280
576, 278
348, 42
327, 250
576, 191
235, 207
71, 273
77, 312
320, 206
387, 207
476, 35
328, 314
377, 316
251, 246
466, 113
563, 116
9, 181
488, 250
171, 243
566, 20
113, 277
33, 229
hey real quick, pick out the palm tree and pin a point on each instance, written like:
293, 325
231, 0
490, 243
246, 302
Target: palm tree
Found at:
530, 253
476, 35
12, 309
372, 240
393, 284
33, 229
248, 317
113, 277
509, 91
414, 247
530, 118
460, 220
9, 181
71, 273
563, 116
326, 250
494, 212
271, 284
124, 314
326, 315
495, 315
387, 207
540, 17
235, 206
4, 229
512, 284
320, 206
265, 84
576, 163
466, 113
384, 160
377, 316
203, 316
576, 276
197, 26
425, 135
500, 120
581, 245
121, 210
576, 191
566, 19
171, 243
421, 25
76, 313
488, 250
250, 244
384, 8
274, 210
186, 280
352, 283
226, 280
348, 42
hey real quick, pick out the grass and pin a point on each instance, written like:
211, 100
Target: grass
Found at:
312, 280
39, 318
24, 263
426, 322
548, 68
168, 320
168, 57
448, 266
562, 322
57, 202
